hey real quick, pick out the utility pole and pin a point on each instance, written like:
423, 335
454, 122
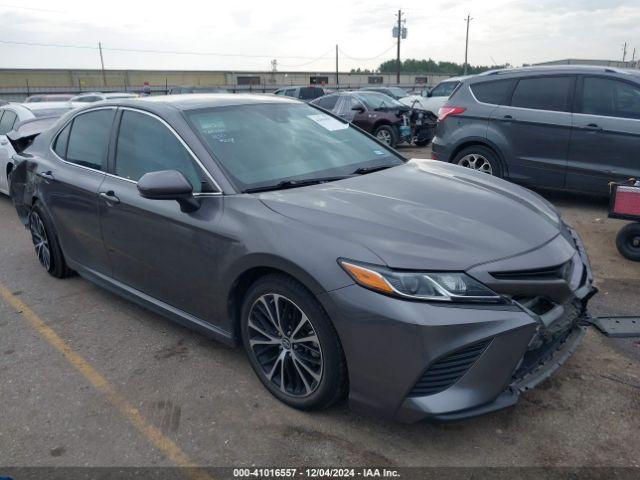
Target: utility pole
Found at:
104, 76
398, 64
633, 57
624, 51
337, 79
466, 47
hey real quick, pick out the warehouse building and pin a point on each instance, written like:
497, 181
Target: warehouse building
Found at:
16, 84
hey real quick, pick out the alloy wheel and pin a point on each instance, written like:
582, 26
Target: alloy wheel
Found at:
40, 240
384, 136
477, 162
285, 345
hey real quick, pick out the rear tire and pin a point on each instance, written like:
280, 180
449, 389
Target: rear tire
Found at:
628, 242
292, 344
46, 243
387, 135
479, 158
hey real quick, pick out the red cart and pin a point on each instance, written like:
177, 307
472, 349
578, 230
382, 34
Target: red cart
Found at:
624, 203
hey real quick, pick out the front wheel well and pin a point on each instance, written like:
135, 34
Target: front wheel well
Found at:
240, 287
472, 143
9, 168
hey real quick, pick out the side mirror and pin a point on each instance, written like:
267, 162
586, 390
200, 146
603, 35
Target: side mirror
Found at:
429, 93
358, 108
168, 185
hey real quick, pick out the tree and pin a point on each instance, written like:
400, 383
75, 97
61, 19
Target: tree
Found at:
411, 65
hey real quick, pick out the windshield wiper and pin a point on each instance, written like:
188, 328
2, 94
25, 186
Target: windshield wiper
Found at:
364, 170
294, 184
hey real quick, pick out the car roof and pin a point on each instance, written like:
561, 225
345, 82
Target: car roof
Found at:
554, 69
46, 105
193, 101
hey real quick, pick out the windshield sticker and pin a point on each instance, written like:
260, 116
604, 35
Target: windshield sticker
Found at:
328, 122
379, 152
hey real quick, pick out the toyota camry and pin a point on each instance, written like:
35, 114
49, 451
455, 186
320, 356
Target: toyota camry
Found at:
419, 289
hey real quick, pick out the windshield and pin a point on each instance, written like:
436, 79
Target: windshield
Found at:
444, 89
375, 100
261, 145
398, 92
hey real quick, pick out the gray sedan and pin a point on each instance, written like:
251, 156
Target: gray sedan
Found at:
417, 288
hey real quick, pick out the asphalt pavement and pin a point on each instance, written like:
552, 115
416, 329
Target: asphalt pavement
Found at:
89, 379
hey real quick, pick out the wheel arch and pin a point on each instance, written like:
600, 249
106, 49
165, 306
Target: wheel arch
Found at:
483, 142
257, 266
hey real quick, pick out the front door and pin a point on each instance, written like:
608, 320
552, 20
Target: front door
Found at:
534, 130
152, 246
605, 142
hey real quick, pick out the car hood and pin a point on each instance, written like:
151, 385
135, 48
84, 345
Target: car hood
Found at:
425, 215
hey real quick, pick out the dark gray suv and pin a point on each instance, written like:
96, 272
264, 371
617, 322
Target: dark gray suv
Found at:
573, 128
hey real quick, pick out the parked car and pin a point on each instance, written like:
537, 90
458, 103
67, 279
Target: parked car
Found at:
431, 99
91, 97
376, 113
393, 92
574, 128
339, 265
183, 90
12, 114
49, 97
303, 93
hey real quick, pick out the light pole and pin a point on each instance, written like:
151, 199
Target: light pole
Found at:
466, 47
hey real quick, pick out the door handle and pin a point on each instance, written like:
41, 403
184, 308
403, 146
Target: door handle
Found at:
507, 118
46, 175
110, 197
592, 127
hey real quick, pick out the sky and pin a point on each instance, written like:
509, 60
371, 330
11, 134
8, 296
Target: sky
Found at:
301, 35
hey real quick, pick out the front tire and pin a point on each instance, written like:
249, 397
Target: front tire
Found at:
479, 158
387, 135
45, 242
292, 344
628, 242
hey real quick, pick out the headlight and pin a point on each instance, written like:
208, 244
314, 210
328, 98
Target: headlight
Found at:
434, 286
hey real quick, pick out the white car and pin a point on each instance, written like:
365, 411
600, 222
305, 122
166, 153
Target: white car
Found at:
91, 97
12, 114
432, 100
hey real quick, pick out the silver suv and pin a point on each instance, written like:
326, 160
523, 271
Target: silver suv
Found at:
572, 128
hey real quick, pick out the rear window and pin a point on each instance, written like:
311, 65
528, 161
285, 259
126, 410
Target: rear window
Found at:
546, 93
328, 102
494, 93
309, 93
444, 89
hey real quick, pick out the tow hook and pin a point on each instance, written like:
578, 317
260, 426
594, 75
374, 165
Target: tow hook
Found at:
615, 327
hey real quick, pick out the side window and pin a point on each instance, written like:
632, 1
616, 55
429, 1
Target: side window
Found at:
328, 102
494, 92
89, 138
611, 98
290, 92
146, 145
279, 92
546, 93
354, 102
60, 144
7, 122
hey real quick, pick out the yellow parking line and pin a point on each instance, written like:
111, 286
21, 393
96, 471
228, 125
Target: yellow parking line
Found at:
154, 435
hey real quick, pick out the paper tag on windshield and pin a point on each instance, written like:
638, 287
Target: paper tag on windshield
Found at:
328, 122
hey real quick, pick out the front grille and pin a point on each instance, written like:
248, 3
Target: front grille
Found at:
558, 272
447, 370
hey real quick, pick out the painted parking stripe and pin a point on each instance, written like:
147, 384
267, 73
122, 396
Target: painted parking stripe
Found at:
130, 412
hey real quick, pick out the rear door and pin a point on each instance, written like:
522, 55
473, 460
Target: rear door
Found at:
70, 185
605, 141
533, 130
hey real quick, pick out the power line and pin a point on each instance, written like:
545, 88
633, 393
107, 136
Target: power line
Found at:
324, 55
166, 52
369, 58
